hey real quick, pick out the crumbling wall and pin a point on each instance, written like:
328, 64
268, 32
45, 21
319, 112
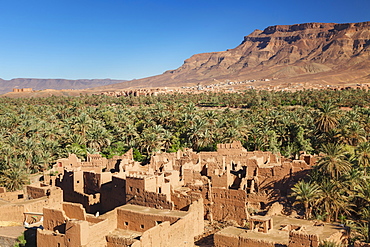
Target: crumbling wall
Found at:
50, 238
54, 200
71, 162
94, 163
149, 199
180, 233
34, 192
135, 185
77, 233
99, 230
89, 202
229, 205
230, 148
256, 242
120, 241
11, 196
72, 184
158, 236
113, 194
12, 212
181, 201
222, 178
136, 194
228, 238
74, 211
91, 182
299, 239
54, 219
196, 216
140, 221
150, 183
78, 181
79, 230
256, 201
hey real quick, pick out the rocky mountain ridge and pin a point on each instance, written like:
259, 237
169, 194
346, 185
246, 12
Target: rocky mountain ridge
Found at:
326, 53
308, 55
58, 84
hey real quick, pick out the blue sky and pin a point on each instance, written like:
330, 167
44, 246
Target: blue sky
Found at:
127, 39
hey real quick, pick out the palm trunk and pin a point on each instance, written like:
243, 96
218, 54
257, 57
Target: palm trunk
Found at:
306, 210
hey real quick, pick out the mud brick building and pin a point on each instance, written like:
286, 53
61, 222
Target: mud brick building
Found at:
119, 202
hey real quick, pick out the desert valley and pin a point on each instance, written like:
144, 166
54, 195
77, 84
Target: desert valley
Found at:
266, 144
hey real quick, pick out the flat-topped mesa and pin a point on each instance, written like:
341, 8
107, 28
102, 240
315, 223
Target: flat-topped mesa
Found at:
298, 27
307, 48
306, 28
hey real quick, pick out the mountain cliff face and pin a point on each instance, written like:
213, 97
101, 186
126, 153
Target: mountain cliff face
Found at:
311, 47
320, 52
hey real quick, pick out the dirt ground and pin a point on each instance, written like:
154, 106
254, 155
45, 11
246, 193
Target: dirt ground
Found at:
11, 231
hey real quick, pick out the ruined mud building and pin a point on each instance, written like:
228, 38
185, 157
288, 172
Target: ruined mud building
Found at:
22, 90
231, 180
121, 202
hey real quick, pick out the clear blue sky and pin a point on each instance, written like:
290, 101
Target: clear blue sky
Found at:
127, 39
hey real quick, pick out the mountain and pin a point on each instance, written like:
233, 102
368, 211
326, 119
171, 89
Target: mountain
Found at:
324, 53
40, 84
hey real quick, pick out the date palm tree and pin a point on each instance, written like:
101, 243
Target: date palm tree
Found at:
363, 192
15, 177
327, 117
362, 155
332, 199
306, 193
335, 162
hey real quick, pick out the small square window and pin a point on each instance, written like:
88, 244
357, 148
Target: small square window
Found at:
142, 226
126, 223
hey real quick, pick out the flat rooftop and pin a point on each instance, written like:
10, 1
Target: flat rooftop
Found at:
277, 235
126, 233
11, 231
153, 211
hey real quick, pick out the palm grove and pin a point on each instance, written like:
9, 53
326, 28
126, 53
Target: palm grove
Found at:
35, 132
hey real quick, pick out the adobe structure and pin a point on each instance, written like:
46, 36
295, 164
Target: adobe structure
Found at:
22, 90
20, 209
137, 92
167, 202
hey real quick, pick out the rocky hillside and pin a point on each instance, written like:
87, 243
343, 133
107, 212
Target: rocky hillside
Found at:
40, 84
325, 53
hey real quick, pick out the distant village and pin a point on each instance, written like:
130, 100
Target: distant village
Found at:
229, 197
229, 87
